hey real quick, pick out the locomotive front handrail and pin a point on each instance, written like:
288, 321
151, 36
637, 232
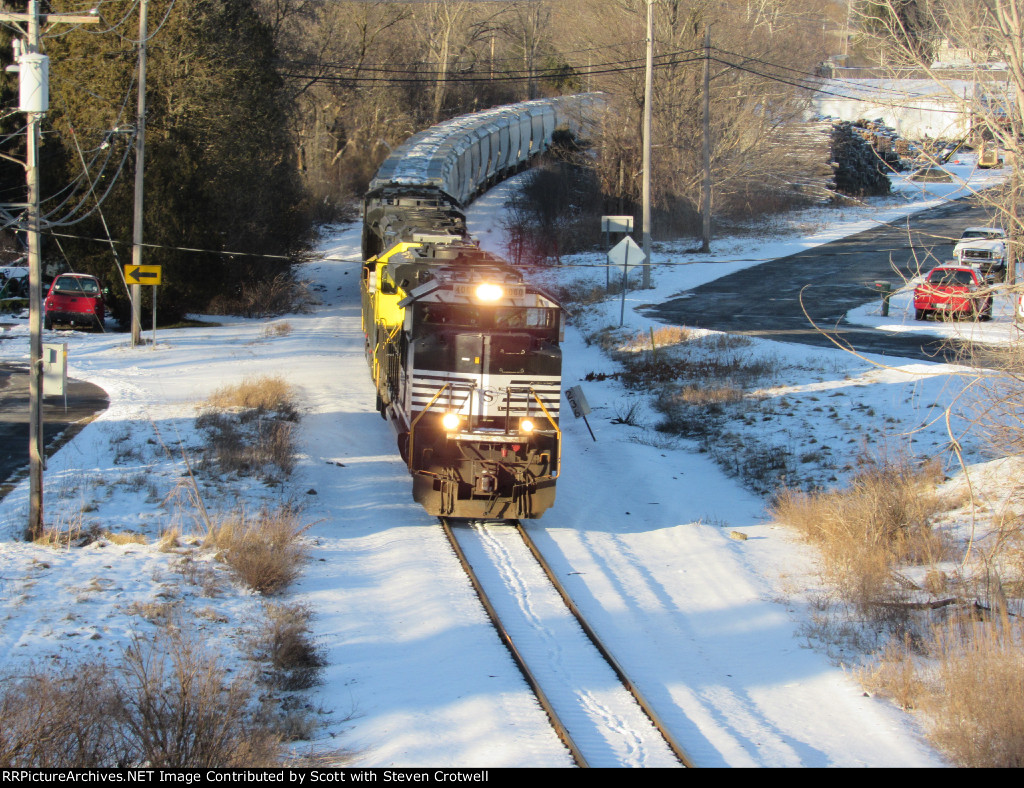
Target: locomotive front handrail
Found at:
415, 421
558, 434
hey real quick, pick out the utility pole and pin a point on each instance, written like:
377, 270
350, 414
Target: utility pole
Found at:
705, 245
34, 108
140, 147
35, 304
648, 91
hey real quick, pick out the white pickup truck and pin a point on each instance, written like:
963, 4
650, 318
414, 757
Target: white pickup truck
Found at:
983, 248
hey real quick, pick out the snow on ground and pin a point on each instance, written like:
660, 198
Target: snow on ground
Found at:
707, 625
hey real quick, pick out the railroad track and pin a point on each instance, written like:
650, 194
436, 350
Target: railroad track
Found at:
594, 707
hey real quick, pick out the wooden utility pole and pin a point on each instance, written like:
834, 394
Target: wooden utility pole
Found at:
31, 22
140, 148
35, 304
648, 91
705, 245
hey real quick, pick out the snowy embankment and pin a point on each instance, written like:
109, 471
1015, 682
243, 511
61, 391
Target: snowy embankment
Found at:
707, 625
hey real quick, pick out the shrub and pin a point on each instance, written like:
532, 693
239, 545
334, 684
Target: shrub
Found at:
264, 297
167, 703
180, 710
974, 700
265, 551
58, 719
263, 394
863, 531
284, 646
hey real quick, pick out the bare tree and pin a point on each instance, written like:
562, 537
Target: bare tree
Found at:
528, 27
985, 41
757, 103
451, 32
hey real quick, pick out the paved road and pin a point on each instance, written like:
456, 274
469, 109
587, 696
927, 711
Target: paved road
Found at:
766, 300
84, 401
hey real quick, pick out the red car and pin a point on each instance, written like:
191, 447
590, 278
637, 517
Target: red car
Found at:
953, 291
75, 300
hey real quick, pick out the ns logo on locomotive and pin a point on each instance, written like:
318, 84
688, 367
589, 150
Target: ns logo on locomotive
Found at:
464, 352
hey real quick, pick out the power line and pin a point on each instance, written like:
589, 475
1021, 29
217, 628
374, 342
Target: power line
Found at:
243, 256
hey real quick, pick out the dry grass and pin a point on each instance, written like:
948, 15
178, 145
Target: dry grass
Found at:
975, 690
967, 678
277, 330
264, 550
250, 426
881, 520
125, 537
264, 394
283, 645
895, 674
656, 338
704, 396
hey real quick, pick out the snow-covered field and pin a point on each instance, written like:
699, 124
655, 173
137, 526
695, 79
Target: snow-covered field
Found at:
707, 625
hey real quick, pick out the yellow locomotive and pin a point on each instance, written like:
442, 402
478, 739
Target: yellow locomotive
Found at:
466, 362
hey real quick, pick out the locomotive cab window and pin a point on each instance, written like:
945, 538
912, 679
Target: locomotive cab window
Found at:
525, 317
454, 315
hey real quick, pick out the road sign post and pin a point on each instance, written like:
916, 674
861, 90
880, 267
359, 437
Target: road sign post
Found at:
609, 225
626, 253
145, 275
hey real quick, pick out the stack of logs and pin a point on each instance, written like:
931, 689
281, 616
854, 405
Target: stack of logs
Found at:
863, 155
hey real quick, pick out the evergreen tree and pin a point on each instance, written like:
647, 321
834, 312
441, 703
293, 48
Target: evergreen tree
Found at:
219, 165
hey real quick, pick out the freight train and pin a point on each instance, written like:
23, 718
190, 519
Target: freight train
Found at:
464, 352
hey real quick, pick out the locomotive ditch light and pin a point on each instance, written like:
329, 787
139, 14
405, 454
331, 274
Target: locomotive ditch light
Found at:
526, 425
450, 421
489, 292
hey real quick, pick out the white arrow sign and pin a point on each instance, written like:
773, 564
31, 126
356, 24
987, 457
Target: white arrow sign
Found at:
626, 253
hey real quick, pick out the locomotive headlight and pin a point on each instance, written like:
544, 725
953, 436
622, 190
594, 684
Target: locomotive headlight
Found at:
489, 292
526, 425
450, 421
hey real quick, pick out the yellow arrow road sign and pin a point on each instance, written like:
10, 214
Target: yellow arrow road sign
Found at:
142, 274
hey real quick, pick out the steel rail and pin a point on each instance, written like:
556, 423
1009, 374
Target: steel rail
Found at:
628, 683
559, 727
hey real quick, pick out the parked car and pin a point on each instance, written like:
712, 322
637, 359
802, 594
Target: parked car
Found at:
953, 291
75, 300
983, 248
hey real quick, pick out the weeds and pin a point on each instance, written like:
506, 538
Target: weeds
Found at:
168, 702
180, 709
284, 646
863, 532
264, 550
57, 719
264, 297
628, 413
974, 691
249, 427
